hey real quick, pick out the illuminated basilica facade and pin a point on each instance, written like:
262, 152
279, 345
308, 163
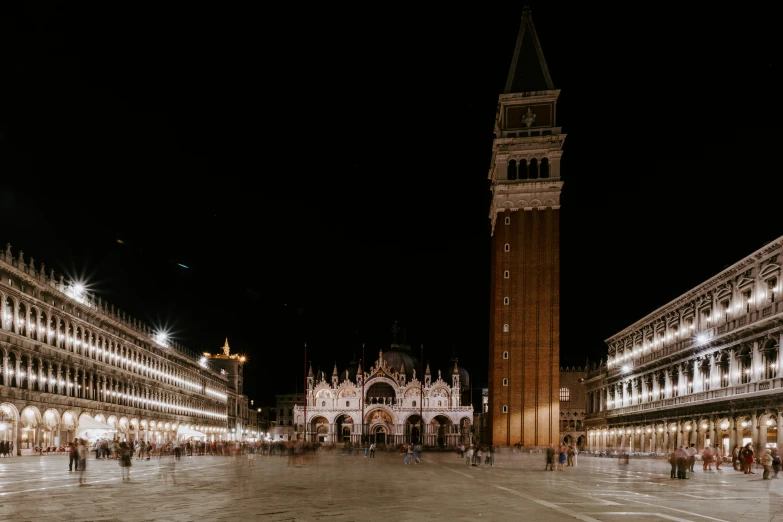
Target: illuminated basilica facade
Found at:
70, 359
387, 404
703, 369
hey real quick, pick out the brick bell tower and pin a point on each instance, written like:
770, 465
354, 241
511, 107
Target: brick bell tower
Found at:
524, 340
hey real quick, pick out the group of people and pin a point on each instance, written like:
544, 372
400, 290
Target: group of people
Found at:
744, 458
473, 453
562, 456
6, 448
683, 460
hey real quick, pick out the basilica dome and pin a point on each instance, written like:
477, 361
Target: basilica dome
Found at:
398, 355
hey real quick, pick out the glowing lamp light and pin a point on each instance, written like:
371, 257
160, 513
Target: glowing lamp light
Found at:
660, 430
626, 368
769, 422
688, 428
724, 425
701, 338
674, 428
704, 426
744, 424
649, 430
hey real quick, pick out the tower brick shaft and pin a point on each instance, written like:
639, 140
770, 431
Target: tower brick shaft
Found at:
524, 340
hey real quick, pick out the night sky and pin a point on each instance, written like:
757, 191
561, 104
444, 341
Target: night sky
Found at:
322, 171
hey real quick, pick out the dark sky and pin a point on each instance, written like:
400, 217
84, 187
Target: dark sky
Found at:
322, 171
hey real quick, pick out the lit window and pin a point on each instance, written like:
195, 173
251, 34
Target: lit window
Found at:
505, 328
505, 300
508, 221
506, 274
505, 382
507, 248
565, 395
505, 409
505, 355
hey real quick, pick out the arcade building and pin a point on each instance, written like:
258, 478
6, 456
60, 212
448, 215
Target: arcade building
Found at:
703, 369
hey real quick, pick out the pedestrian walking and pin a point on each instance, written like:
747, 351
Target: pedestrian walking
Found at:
372, 450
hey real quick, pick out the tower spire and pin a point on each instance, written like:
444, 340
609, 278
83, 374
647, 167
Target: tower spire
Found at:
528, 71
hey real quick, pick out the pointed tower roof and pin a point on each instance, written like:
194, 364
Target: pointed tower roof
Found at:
310, 371
456, 368
427, 371
226, 348
528, 70
334, 372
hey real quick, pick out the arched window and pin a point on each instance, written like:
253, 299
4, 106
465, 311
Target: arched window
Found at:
347, 404
505, 355
522, 169
507, 221
511, 171
505, 328
505, 382
506, 274
414, 404
543, 169
507, 247
565, 395
532, 170
323, 404
505, 300
505, 409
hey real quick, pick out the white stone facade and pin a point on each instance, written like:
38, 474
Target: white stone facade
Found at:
703, 369
391, 408
67, 355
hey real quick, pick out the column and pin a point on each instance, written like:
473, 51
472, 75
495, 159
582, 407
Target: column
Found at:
779, 439
18, 438
735, 434
711, 433
763, 434
697, 384
756, 363
18, 373
678, 441
754, 430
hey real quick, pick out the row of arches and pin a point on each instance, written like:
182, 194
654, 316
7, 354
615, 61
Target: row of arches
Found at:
31, 426
524, 169
46, 327
41, 374
381, 427
762, 429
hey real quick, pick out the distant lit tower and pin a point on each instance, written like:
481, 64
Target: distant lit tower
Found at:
524, 340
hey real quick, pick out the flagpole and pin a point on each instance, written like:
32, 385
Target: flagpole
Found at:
421, 396
304, 394
361, 362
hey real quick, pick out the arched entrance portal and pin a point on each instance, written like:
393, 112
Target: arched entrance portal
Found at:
320, 426
379, 422
412, 430
442, 432
343, 425
378, 435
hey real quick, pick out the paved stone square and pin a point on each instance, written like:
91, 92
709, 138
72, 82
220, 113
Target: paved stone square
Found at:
338, 487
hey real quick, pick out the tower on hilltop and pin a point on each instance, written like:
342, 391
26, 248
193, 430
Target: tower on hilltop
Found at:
524, 341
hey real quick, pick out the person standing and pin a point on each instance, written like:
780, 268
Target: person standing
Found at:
550, 458
81, 449
718, 457
372, 450
766, 461
73, 457
251, 456
124, 454
177, 449
735, 458
747, 459
691, 457
775, 462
